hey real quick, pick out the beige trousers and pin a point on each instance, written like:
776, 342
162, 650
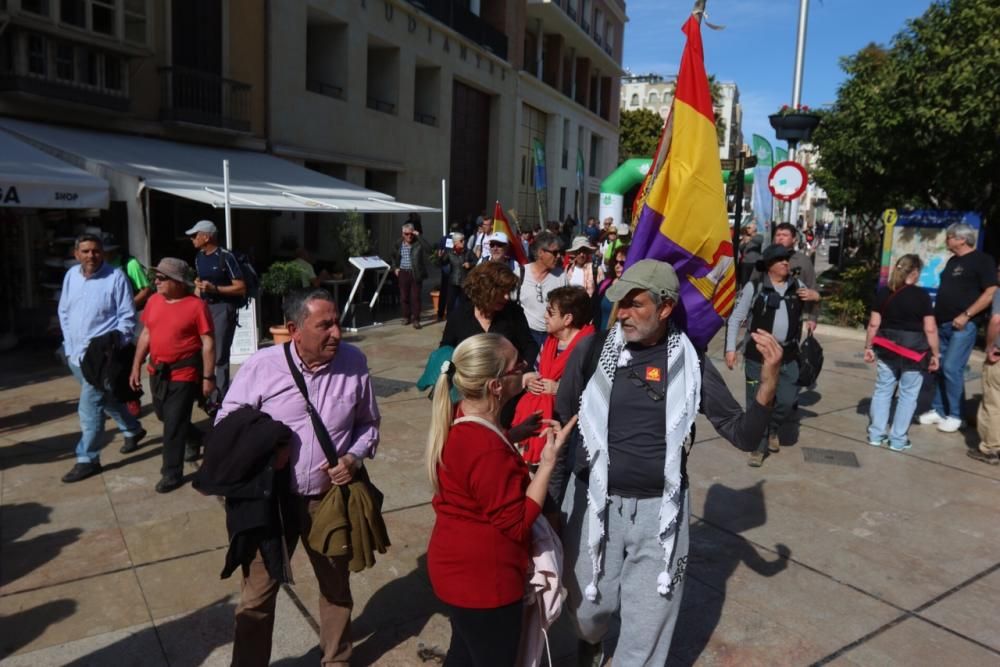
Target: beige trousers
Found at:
988, 418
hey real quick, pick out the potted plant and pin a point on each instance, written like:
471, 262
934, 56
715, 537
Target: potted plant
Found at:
355, 237
280, 279
794, 124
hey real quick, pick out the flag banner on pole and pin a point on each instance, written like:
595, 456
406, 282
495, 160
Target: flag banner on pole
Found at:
500, 224
682, 219
780, 155
763, 200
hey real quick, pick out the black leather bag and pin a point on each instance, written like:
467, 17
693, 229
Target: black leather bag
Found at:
810, 361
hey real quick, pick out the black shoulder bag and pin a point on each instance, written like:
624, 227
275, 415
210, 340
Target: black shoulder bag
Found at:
321, 433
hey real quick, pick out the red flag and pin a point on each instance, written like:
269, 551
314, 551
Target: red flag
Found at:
500, 224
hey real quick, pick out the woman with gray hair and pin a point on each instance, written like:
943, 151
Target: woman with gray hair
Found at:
902, 341
541, 277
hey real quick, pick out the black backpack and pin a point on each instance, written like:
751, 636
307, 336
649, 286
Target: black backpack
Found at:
250, 277
810, 361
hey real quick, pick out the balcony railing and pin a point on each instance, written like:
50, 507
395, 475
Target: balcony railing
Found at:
453, 13
597, 38
381, 105
571, 12
324, 88
68, 91
204, 98
425, 118
585, 26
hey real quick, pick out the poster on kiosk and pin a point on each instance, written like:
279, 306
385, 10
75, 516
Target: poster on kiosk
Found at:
923, 233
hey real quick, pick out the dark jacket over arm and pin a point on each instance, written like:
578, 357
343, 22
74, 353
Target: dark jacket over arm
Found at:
509, 323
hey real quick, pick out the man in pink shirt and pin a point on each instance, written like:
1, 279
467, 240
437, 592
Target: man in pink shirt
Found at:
339, 386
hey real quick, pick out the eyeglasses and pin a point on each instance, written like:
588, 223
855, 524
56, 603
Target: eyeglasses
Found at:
642, 384
554, 253
520, 368
618, 262
160, 278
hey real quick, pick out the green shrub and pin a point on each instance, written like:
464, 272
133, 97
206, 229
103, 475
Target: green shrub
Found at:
849, 296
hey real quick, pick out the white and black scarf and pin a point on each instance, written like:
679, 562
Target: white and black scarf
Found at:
683, 398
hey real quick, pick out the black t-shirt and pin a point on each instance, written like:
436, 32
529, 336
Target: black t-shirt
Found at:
637, 422
905, 310
963, 280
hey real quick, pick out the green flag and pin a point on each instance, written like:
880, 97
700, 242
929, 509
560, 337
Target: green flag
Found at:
762, 149
780, 155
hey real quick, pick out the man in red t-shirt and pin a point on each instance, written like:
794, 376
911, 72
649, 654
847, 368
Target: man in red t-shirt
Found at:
179, 338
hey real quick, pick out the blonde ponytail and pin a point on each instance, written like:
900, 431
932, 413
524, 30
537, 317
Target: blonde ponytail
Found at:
905, 265
477, 360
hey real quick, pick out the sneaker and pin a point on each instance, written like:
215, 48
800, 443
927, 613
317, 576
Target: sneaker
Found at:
82, 471
901, 448
877, 443
132, 442
949, 424
756, 459
168, 484
930, 417
991, 459
773, 444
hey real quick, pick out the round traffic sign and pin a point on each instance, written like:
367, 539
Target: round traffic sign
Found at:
787, 180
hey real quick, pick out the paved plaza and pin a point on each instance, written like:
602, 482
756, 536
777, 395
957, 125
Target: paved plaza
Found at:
834, 552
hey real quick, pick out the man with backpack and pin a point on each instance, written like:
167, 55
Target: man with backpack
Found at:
774, 302
624, 490
222, 286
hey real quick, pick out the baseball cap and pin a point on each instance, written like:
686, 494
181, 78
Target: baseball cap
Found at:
206, 226
648, 274
498, 237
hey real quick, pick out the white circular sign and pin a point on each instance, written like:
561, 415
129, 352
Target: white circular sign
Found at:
787, 180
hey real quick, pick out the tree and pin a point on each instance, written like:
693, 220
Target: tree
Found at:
715, 89
639, 130
918, 123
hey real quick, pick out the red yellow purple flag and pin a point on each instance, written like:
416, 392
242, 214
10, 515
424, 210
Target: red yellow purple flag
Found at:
681, 209
500, 224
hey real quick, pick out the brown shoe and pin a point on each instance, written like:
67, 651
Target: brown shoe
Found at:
773, 444
991, 459
756, 459
416, 324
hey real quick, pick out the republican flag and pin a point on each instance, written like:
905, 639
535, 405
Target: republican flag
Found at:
681, 210
500, 224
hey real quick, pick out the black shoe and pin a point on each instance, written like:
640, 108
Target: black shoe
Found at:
82, 471
132, 442
991, 459
192, 453
168, 484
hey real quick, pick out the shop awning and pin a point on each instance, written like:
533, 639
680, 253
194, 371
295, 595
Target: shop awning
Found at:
257, 180
30, 178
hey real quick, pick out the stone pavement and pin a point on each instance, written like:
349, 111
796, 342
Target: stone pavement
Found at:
834, 552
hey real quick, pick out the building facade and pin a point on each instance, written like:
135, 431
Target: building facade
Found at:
400, 96
656, 93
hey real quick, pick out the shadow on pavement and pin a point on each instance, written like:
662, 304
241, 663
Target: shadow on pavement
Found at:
716, 551
388, 623
43, 450
23, 627
18, 558
189, 640
37, 414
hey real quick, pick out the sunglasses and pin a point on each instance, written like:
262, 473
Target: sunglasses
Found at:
160, 278
554, 253
642, 384
407, 233
519, 369
494, 244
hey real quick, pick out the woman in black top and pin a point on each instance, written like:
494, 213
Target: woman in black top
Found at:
488, 309
902, 340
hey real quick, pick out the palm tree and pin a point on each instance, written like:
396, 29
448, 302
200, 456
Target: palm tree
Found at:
720, 123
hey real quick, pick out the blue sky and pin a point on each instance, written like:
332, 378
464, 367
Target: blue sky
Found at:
757, 48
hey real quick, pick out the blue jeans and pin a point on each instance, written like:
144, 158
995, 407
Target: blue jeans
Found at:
906, 404
93, 404
956, 348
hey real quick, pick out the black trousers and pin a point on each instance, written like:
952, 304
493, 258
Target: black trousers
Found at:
484, 637
175, 413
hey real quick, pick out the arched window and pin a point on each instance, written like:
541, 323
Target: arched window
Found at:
635, 100
654, 99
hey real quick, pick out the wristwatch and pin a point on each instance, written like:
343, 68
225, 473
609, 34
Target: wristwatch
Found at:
968, 314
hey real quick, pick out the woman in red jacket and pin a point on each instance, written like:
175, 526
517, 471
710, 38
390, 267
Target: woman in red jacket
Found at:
485, 502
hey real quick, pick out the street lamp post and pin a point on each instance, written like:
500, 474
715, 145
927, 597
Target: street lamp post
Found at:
800, 59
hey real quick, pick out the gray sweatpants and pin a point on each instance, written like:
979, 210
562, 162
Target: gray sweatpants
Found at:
632, 620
